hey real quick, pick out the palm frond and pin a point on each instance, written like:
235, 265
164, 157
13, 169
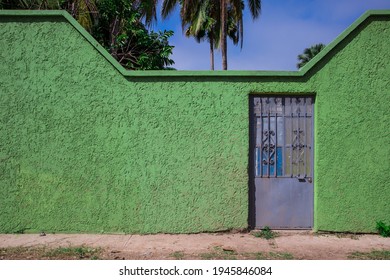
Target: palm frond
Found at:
255, 8
308, 54
167, 7
148, 11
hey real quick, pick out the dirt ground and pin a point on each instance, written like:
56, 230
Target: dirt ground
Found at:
285, 245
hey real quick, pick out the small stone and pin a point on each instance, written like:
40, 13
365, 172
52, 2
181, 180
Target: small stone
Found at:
227, 248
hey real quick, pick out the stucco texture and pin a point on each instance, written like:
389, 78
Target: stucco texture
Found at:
88, 147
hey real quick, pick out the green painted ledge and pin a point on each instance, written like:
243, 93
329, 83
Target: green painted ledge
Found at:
165, 73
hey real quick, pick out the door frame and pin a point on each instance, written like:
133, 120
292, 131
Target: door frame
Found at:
251, 156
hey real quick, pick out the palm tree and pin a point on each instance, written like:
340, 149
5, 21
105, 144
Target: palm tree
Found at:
308, 54
205, 25
206, 31
254, 8
147, 8
227, 16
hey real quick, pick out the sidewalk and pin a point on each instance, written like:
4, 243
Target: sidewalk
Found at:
301, 244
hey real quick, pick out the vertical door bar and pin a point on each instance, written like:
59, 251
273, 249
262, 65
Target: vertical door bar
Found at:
260, 151
256, 145
269, 143
311, 137
298, 138
276, 142
257, 111
284, 138
305, 141
292, 138
261, 137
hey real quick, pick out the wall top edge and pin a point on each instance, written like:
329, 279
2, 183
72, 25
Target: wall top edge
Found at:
40, 14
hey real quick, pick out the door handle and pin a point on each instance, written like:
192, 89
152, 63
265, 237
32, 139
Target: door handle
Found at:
306, 179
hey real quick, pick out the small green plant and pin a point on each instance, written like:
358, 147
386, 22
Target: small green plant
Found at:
219, 253
20, 231
373, 255
383, 229
281, 256
271, 256
353, 236
265, 233
74, 253
46, 253
178, 255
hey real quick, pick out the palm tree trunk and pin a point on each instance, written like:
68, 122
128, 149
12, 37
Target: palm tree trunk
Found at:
212, 54
223, 33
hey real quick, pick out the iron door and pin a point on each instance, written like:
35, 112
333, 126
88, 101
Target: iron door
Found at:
283, 160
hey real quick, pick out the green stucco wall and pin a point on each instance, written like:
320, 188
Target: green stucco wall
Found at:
86, 146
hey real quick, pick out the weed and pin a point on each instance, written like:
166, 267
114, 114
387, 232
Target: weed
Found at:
15, 253
281, 256
219, 254
373, 255
260, 256
351, 235
208, 256
272, 244
265, 233
20, 231
383, 229
73, 253
347, 235
270, 256
46, 253
178, 255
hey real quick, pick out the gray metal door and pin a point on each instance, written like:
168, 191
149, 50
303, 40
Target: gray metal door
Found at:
283, 160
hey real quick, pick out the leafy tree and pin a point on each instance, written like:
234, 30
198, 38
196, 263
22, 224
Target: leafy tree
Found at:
84, 11
118, 26
308, 54
121, 31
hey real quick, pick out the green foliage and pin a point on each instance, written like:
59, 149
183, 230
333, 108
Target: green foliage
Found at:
31, 4
219, 253
280, 256
265, 233
177, 255
47, 253
383, 229
118, 26
308, 54
373, 255
74, 253
122, 32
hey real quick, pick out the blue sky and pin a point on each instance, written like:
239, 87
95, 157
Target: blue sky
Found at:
272, 42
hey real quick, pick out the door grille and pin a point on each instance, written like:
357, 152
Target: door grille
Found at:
283, 128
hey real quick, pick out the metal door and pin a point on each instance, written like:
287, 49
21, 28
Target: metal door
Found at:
283, 161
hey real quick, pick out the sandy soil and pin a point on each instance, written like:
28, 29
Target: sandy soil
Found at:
299, 244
